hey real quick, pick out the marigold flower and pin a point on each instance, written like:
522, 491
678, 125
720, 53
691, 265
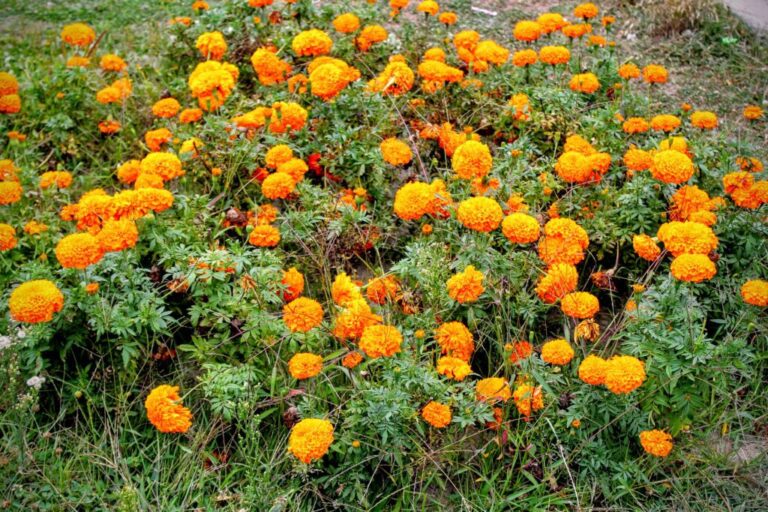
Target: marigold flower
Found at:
370, 35
655, 74
414, 200
211, 45
629, 71
672, 166
305, 365
302, 314
354, 319
165, 411
111, 62
190, 115
448, 18
755, 292
395, 152
156, 138
278, 155
293, 281
586, 11
157, 200
687, 238
480, 214
576, 30
311, 43
61, 179
490, 51
554, 55
78, 34
749, 164
520, 350
520, 228
471, 160
522, 58
108, 95
637, 159
351, 360
693, 268
527, 30
381, 289
453, 368
346, 23
79, 250
310, 439
380, 341
344, 290
455, 340
109, 126
528, 399
278, 185
287, 117
656, 442
580, 305
264, 236
493, 390
624, 374
211, 82
428, 7
117, 235
10, 192
436, 71
584, 82
704, 120
751, 112
592, 370
396, 79
558, 352
165, 165
436, 414
665, 123
551, 22
573, 167
166, 108
8, 84
645, 247
7, 237
35, 301
329, 79
635, 125
465, 287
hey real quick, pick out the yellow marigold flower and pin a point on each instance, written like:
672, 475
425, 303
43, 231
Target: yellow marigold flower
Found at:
211, 45
8, 84
465, 287
111, 62
527, 30
165, 411
665, 122
380, 341
755, 292
278, 185
278, 155
624, 374
436, 414
586, 11
302, 314
580, 305
522, 58
528, 399
492, 390
305, 365
165, 165
414, 200
584, 82
558, 352
35, 301
453, 368
78, 34
551, 22
79, 250
490, 51
693, 268
672, 166
592, 370
520, 228
264, 236
554, 55
311, 43
310, 439
656, 442
395, 152
344, 290
455, 340
211, 82
629, 71
351, 360
118, 235
7, 237
471, 160
428, 7
645, 247
480, 214
166, 108
704, 120
381, 289
346, 23
655, 74
751, 112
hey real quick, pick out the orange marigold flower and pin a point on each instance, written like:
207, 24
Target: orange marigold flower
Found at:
264, 236
380, 341
302, 314
528, 399
576, 30
278, 155
637, 159
437, 414
635, 125
35, 301
465, 287
428, 7
490, 51
91, 288
560, 279
165, 165
448, 18
129, 171
10, 192
78, 34
8, 84
370, 35
278, 185
586, 11
311, 43
190, 115
584, 82
455, 340
346, 23
520, 350
354, 319
554, 55
624, 374
414, 200
310, 439
211, 82
157, 200
480, 214
396, 79
656, 442
527, 30
305, 365
580, 305
156, 138
7, 237
752, 112
522, 58
61, 179
79, 250
351, 360
118, 235
655, 74
453, 368
330, 76
10, 104
111, 62
295, 168
166, 108
573, 167
293, 281
520, 228
592, 370
211, 45
558, 352
109, 126
344, 290
395, 151
551, 22
687, 238
693, 268
645, 247
749, 164
492, 390
287, 117
381, 289
672, 166
165, 410
704, 120
629, 71
665, 122
755, 292
471, 160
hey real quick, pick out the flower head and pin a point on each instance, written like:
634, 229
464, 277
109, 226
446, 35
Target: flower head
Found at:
558, 352
656, 442
466, 286
165, 411
35, 301
310, 439
381, 341
436, 414
305, 365
302, 314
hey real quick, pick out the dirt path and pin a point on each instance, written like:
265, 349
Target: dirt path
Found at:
753, 12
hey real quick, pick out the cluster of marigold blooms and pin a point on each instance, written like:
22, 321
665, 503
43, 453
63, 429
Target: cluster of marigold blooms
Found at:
107, 223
